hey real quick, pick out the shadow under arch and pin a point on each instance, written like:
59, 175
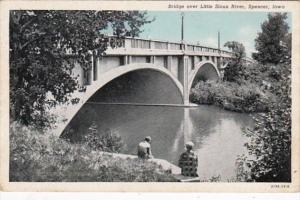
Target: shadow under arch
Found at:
205, 70
138, 83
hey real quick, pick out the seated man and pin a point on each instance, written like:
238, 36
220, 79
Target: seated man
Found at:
144, 148
188, 161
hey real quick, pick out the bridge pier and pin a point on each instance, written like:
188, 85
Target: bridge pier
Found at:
152, 59
96, 66
183, 71
129, 59
169, 63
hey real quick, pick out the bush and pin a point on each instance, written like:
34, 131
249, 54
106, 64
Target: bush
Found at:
231, 96
234, 72
45, 158
108, 141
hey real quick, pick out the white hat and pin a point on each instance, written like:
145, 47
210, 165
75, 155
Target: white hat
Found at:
189, 145
148, 138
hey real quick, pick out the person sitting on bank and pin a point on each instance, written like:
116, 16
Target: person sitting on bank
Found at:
188, 161
144, 148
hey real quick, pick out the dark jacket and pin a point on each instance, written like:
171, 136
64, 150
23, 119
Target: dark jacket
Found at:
188, 162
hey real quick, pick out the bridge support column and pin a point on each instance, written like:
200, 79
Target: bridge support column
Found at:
194, 62
129, 59
90, 71
186, 97
124, 60
221, 62
183, 78
169, 63
152, 59
96, 67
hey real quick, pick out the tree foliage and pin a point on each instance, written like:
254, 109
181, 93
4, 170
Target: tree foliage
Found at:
234, 70
39, 66
273, 42
237, 49
270, 143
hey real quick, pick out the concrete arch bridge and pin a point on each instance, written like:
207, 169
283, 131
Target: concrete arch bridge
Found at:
145, 72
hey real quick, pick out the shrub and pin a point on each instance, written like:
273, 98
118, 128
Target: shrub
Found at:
234, 72
231, 96
108, 140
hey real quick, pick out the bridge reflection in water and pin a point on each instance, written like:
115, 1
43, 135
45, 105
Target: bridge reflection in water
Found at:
217, 134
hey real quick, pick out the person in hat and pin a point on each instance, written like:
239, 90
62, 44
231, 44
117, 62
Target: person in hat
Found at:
144, 148
188, 161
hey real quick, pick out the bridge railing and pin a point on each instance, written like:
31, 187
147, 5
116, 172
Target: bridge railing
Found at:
139, 43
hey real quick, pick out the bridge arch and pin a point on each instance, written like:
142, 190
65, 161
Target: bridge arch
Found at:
205, 70
225, 65
141, 75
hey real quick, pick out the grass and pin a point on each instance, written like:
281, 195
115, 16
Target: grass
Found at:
42, 157
39, 156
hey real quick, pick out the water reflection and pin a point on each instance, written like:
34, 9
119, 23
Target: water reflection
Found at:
217, 134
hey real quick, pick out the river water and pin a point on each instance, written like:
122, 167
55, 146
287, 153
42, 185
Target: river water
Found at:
216, 133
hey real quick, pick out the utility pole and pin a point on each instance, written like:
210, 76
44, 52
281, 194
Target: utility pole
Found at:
183, 70
219, 41
182, 27
219, 50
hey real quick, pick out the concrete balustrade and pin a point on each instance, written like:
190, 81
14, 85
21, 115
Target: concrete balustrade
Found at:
137, 43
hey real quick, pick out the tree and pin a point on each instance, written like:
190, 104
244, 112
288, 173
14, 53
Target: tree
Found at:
237, 49
136, 21
270, 144
39, 66
234, 69
286, 45
271, 43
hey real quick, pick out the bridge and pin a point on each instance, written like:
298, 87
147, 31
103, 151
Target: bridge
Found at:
142, 71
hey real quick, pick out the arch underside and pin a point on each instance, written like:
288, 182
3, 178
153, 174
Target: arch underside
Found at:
143, 86
203, 72
139, 83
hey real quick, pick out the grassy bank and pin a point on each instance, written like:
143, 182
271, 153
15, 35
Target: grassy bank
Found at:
44, 157
231, 96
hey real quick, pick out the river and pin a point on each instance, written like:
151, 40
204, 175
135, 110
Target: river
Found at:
216, 133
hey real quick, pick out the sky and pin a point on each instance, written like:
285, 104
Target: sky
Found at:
202, 27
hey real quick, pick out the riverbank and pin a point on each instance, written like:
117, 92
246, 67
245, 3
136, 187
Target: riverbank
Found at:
232, 96
40, 157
